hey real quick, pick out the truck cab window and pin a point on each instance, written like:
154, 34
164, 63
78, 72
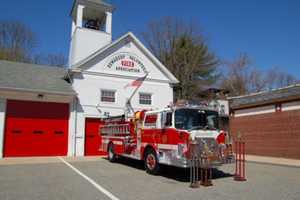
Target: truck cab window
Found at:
196, 119
150, 121
168, 119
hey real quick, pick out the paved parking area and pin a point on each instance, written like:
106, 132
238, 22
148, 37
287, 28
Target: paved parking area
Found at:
127, 180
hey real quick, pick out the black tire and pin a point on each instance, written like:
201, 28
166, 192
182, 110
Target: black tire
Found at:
111, 156
151, 162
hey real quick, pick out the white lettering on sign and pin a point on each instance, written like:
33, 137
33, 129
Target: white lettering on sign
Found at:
126, 62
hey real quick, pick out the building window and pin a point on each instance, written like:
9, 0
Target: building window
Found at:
108, 96
145, 99
278, 107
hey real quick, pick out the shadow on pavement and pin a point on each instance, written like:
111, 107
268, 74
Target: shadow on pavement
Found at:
175, 173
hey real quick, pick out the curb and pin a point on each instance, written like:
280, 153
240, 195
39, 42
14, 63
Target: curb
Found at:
273, 164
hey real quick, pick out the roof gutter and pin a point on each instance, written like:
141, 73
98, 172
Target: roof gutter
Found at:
38, 91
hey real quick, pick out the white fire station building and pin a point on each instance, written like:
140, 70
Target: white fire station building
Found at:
50, 111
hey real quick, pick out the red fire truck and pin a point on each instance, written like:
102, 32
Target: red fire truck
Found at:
166, 136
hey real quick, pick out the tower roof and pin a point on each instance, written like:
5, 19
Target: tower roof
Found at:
98, 4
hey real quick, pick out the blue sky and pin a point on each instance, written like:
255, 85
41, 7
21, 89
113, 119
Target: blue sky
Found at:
268, 30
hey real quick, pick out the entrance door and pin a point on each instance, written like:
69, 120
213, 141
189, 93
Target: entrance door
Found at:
92, 137
36, 129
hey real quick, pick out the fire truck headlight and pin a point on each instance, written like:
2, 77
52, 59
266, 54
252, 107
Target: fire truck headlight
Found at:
182, 150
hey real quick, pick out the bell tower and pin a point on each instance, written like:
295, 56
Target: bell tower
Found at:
91, 28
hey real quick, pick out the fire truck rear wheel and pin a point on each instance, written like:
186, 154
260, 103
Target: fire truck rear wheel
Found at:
151, 162
111, 156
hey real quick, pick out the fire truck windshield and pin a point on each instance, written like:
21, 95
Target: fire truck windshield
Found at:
196, 119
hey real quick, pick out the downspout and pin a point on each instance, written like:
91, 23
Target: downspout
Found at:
4, 101
75, 106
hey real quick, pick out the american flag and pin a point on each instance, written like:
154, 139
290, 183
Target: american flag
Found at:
136, 83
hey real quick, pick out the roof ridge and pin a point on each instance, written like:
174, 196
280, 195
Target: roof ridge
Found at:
266, 91
129, 34
33, 64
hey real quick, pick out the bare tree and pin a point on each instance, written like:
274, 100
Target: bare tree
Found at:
276, 78
237, 74
242, 77
256, 81
16, 41
181, 47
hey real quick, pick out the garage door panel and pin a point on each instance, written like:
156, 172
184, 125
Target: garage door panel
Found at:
92, 137
36, 129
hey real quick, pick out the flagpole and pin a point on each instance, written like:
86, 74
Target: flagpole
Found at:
128, 104
136, 89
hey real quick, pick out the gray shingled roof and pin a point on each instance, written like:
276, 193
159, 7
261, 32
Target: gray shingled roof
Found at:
36, 78
277, 95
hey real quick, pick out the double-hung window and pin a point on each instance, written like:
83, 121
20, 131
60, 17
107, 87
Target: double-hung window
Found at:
145, 99
108, 96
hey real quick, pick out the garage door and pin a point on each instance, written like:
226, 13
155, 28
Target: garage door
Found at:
36, 129
92, 137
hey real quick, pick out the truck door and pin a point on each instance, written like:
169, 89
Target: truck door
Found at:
166, 124
151, 129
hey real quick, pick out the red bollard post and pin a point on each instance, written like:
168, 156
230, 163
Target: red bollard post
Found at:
206, 172
244, 160
236, 160
240, 161
240, 158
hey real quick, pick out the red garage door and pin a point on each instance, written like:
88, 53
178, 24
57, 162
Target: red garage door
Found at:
36, 129
92, 137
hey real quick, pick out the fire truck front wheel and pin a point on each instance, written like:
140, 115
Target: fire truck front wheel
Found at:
151, 162
111, 156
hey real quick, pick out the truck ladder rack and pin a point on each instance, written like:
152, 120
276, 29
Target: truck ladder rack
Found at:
115, 130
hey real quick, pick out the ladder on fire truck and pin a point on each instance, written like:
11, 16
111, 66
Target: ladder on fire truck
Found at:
120, 131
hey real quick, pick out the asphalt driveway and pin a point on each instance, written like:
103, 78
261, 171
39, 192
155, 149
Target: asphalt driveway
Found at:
98, 179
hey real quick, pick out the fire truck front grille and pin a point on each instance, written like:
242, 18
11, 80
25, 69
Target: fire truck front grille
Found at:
207, 144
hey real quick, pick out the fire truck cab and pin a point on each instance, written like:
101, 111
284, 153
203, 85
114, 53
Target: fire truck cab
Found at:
167, 136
